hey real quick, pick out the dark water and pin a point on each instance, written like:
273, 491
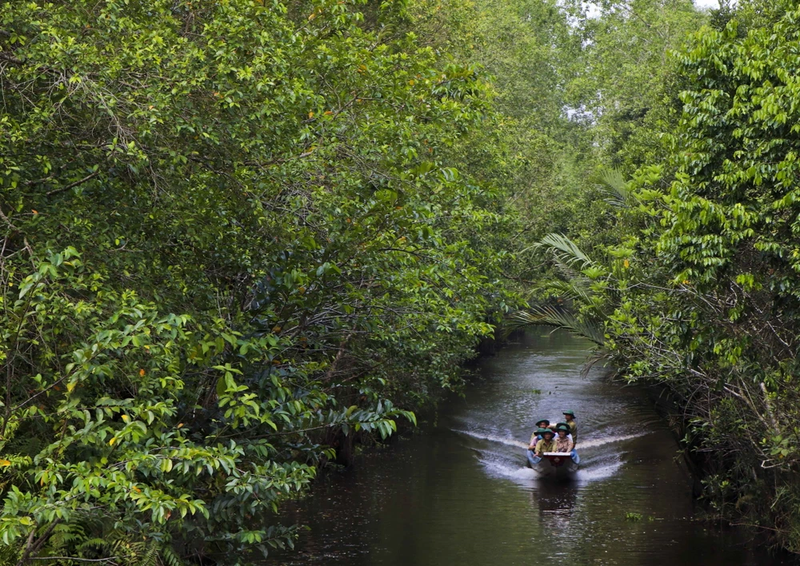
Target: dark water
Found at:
460, 493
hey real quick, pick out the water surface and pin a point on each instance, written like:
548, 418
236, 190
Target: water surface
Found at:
461, 494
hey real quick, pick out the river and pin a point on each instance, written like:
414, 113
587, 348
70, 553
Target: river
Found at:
460, 494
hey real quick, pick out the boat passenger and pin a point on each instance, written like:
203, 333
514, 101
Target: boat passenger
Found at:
536, 437
569, 416
546, 444
563, 440
559, 425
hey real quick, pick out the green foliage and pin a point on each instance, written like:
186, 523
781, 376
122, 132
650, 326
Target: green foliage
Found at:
693, 283
627, 82
710, 302
579, 89
582, 283
548, 315
240, 235
234, 239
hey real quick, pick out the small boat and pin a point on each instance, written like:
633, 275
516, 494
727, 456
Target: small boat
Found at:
554, 464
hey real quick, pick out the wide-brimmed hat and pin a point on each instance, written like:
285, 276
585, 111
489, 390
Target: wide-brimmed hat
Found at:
564, 427
570, 413
540, 421
544, 431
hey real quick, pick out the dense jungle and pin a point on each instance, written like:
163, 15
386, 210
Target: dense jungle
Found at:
244, 239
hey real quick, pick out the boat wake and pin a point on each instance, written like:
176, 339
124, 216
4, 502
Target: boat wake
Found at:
584, 444
594, 473
595, 443
595, 467
499, 469
520, 473
493, 438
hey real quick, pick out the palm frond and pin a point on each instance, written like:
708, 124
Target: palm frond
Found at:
547, 315
575, 289
564, 269
565, 250
615, 187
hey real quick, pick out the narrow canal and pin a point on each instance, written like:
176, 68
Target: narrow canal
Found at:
460, 494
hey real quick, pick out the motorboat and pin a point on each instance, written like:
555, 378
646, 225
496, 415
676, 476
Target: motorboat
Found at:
554, 464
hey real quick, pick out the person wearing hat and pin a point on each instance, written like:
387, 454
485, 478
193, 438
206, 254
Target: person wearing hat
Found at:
569, 416
546, 444
563, 439
536, 437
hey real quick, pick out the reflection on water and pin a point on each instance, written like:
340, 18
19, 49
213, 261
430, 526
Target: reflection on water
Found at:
461, 494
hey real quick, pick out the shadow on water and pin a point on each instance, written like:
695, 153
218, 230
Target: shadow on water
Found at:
461, 494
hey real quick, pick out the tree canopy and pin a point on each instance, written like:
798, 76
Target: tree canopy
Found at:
232, 242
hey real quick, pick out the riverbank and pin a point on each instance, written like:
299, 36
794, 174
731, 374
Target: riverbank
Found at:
703, 467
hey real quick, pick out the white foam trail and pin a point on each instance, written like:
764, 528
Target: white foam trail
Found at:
493, 438
603, 472
584, 444
607, 440
520, 473
589, 473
